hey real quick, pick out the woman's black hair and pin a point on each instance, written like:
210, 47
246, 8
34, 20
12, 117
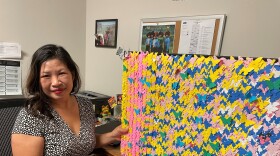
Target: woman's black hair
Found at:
38, 102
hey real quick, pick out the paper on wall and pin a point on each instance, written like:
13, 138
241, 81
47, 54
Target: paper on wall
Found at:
9, 50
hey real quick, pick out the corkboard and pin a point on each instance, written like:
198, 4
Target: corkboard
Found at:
218, 29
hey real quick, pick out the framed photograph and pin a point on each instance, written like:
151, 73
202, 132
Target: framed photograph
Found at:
106, 33
158, 37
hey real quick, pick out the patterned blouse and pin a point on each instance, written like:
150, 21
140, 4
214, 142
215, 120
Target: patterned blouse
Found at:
59, 139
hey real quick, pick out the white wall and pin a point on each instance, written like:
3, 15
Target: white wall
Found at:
252, 29
33, 23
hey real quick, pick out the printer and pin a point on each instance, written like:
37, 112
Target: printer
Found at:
98, 100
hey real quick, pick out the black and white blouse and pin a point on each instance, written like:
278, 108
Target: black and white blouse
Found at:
59, 139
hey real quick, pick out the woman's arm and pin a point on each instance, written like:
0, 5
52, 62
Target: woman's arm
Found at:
107, 138
27, 145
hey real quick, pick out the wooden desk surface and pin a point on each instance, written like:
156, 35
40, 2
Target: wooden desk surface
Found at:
113, 150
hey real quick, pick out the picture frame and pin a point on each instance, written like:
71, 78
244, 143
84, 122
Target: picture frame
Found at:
159, 32
106, 33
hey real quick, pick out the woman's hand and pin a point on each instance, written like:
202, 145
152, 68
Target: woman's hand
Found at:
107, 138
118, 132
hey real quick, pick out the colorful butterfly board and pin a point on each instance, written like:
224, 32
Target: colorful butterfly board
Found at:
198, 105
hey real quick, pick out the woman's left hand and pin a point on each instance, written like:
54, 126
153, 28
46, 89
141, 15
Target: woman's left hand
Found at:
118, 132
107, 138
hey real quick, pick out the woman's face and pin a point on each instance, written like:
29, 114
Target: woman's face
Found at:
56, 79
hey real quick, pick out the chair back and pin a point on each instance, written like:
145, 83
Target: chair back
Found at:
9, 109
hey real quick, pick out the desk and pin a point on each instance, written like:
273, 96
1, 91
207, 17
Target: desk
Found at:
113, 150
107, 151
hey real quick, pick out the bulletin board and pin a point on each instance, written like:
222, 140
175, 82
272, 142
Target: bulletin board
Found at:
187, 34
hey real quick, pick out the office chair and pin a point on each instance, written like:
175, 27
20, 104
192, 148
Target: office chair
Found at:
9, 109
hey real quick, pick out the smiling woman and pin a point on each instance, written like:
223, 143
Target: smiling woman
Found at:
56, 79
55, 121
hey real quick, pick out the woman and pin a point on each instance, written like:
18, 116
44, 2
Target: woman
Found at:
54, 120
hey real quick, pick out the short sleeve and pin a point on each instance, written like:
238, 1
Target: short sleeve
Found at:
28, 124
